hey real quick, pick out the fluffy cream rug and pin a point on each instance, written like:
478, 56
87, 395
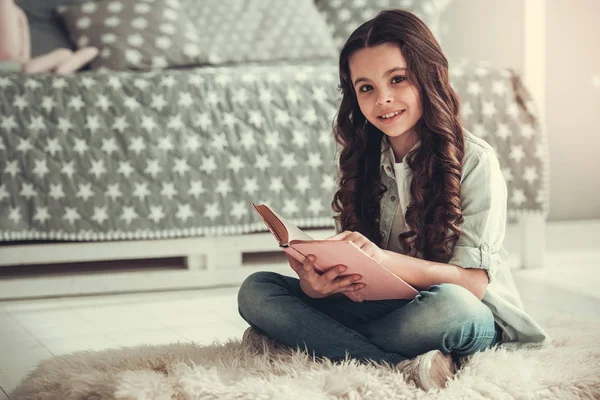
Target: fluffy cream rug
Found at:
569, 369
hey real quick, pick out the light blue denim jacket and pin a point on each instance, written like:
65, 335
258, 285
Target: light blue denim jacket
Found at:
483, 201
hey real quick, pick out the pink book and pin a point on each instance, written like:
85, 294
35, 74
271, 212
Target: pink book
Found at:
381, 283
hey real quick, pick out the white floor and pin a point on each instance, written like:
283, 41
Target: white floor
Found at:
31, 330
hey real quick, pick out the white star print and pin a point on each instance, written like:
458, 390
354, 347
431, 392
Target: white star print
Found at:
41, 215
137, 145
184, 212
219, 141
24, 145
192, 143
158, 102
530, 175
474, 88
224, 187
288, 160
131, 103
113, 191
302, 183
203, 120
59, 83
71, 214
148, 123
141, 190
196, 188
128, 214
48, 103
517, 153
315, 206
20, 102
32, 84
12, 168
181, 166
239, 209
208, 165
64, 124
68, 169
212, 211
92, 123
282, 117
98, 168
56, 191
168, 190
240, 97
262, 162
153, 168
247, 140
103, 102
100, 214
8, 123
328, 182
109, 145
299, 138
80, 146
156, 213
518, 197
14, 214
125, 168
85, 191
235, 164
256, 118
120, 124
165, 143
185, 99
314, 160
276, 184
114, 82
229, 120
77, 103
250, 185
272, 140
175, 122
36, 124
52, 146
290, 207
41, 168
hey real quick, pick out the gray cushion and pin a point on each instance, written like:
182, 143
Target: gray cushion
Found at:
233, 31
133, 34
344, 16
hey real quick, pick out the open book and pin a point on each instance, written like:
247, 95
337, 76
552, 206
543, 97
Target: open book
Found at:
381, 283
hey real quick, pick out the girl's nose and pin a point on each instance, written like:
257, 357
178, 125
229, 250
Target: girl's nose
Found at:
384, 98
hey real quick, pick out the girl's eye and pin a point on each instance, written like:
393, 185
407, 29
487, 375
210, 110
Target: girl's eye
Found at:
398, 79
365, 88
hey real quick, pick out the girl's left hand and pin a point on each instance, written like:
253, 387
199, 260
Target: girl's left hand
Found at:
363, 243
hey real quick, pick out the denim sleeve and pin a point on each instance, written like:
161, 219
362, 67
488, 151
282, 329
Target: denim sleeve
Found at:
483, 201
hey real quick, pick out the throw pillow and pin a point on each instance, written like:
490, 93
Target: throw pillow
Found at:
344, 16
133, 34
232, 31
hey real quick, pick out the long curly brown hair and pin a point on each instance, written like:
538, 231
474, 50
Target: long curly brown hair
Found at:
434, 213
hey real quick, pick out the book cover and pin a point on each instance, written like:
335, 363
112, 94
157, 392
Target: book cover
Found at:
381, 283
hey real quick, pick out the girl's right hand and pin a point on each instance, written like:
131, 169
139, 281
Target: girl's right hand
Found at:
318, 286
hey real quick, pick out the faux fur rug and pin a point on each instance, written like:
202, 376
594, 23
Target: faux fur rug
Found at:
568, 369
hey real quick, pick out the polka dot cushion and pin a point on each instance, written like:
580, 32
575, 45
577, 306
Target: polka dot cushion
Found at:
140, 34
344, 16
148, 34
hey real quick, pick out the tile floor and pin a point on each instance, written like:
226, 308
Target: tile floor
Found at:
31, 330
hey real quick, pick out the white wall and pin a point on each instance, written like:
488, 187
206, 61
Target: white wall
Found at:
493, 30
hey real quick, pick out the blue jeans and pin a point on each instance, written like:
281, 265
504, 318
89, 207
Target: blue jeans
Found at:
446, 317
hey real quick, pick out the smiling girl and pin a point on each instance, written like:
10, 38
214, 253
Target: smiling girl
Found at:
418, 193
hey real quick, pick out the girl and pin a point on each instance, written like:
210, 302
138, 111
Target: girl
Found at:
417, 193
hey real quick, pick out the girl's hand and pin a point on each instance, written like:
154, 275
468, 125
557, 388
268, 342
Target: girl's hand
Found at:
363, 243
318, 286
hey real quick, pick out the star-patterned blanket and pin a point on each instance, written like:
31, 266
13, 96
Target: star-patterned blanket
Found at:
141, 155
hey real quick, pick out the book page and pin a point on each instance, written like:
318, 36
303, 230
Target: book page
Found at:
294, 233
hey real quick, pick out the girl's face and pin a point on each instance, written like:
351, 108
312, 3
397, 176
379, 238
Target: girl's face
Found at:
384, 94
